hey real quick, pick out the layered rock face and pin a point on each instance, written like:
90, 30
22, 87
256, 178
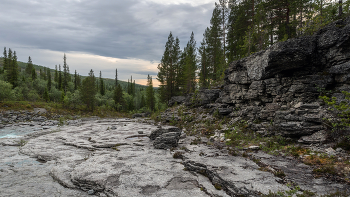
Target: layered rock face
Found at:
281, 85
278, 89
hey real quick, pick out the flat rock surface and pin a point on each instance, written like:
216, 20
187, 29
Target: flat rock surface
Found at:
91, 159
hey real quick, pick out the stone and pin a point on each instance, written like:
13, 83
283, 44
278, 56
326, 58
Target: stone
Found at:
318, 137
113, 127
330, 151
176, 99
254, 147
167, 140
91, 192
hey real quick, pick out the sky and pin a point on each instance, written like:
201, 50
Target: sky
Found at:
102, 35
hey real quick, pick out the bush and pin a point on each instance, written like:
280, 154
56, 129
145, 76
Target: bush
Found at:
6, 89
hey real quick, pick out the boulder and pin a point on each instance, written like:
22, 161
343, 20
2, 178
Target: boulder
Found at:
166, 137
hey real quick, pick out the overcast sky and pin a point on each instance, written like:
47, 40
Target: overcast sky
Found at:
101, 34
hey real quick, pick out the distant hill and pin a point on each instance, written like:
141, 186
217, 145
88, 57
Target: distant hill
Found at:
107, 81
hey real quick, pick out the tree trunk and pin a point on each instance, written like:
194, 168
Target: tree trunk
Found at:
340, 7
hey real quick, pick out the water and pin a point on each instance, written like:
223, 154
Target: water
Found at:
17, 131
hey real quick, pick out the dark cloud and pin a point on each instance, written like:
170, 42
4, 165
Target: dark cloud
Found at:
119, 29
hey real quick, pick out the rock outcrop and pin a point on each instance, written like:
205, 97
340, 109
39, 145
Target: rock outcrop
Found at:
278, 89
165, 137
281, 85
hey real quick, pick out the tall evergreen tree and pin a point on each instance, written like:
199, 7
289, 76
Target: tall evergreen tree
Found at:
56, 75
34, 76
13, 72
150, 95
169, 70
5, 61
102, 87
75, 80
59, 77
29, 66
65, 78
118, 93
49, 83
88, 91
190, 65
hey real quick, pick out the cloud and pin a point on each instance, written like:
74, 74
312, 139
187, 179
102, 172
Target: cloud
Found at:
132, 30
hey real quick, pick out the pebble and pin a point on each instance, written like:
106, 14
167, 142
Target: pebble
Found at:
91, 192
254, 147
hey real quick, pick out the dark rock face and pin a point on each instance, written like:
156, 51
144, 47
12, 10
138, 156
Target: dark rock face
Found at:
202, 97
281, 85
166, 137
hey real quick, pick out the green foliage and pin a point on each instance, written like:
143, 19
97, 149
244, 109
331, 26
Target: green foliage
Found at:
6, 89
342, 109
150, 95
88, 91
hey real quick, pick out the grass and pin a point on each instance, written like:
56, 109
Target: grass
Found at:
54, 109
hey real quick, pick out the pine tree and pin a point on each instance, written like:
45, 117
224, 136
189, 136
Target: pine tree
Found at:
29, 66
102, 87
5, 62
49, 83
75, 80
33, 74
46, 95
169, 70
59, 77
88, 91
116, 77
150, 96
12, 70
65, 79
190, 65
56, 74
118, 93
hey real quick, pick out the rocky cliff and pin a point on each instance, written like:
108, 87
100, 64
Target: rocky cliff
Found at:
277, 89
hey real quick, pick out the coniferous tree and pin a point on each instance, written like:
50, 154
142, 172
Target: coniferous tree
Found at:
49, 80
29, 66
118, 93
56, 74
59, 77
75, 80
5, 61
102, 88
190, 65
150, 95
12, 70
65, 78
169, 70
46, 96
33, 74
88, 91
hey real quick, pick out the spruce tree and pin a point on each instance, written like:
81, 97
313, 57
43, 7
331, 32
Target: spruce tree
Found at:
5, 61
59, 77
150, 95
75, 80
88, 91
29, 66
118, 93
169, 69
49, 80
33, 74
102, 88
65, 78
56, 74
12, 71
190, 65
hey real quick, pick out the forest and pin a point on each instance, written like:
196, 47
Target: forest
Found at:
237, 29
